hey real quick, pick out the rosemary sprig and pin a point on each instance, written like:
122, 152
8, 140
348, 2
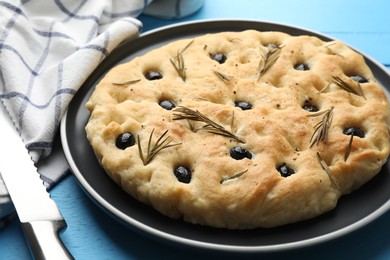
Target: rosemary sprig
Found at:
209, 126
327, 170
322, 127
228, 178
178, 62
348, 151
160, 144
126, 83
347, 87
222, 76
270, 58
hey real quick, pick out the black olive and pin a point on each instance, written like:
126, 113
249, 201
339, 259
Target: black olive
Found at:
125, 140
301, 67
355, 131
358, 79
219, 57
310, 108
243, 105
284, 170
167, 104
153, 75
183, 174
240, 153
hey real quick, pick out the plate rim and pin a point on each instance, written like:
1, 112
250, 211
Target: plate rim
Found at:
98, 199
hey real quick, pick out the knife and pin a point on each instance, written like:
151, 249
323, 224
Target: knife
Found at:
39, 215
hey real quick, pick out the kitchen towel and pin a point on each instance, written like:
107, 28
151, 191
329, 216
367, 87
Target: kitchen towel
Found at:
48, 48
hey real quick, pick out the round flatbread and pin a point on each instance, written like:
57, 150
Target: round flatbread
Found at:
241, 130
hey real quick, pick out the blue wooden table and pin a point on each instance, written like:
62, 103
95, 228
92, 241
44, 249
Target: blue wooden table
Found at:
92, 234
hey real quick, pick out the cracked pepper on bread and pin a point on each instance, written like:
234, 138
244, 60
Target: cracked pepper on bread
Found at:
241, 130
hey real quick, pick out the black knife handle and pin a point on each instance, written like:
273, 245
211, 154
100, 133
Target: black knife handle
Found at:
44, 241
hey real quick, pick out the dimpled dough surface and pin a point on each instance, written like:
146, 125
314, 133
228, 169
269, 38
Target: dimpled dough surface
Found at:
290, 86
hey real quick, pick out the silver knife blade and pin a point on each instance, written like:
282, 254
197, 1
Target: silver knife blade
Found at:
39, 215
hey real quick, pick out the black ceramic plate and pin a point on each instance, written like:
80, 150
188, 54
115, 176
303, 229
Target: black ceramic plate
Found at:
353, 211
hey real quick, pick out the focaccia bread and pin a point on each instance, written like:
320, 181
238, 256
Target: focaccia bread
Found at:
241, 130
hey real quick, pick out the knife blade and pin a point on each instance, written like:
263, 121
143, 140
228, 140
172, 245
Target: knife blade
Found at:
39, 215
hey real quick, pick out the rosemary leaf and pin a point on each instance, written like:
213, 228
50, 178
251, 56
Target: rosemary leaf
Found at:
192, 128
150, 143
348, 148
328, 46
347, 87
209, 125
126, 83
141, 154
270, 58
232, 123
322, 127
224, 77
327, 170
324, 88
202, 99
228, 178
186, 47
154, 149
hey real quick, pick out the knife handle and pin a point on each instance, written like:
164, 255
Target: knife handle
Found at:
44, 241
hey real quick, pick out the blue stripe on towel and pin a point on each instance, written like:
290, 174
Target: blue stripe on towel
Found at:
74, 15
15, 94
10, 48
11, 7
31, 83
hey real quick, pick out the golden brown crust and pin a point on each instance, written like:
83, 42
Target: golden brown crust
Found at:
248, 193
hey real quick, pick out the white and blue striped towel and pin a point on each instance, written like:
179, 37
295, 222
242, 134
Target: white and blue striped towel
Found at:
48, 48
